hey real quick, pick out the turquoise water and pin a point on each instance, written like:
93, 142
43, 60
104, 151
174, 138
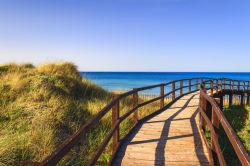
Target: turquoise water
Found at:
128, 80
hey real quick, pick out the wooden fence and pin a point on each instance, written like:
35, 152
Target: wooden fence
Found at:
211, 116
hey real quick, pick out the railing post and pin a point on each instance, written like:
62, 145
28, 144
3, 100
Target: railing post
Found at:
221, 84
162, 96
248, 94
115, 117
244, 92
202, 105
215, 123
232, 85
217, 86
135, 104
197, 84
181, 88
224, 84
212, 87
248, 97
221, 100
189, 85
230, 99
238, 85
242, 99
173, 91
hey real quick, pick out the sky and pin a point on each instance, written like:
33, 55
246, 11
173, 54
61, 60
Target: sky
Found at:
128, 35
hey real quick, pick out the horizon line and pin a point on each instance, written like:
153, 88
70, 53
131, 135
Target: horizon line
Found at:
166, 71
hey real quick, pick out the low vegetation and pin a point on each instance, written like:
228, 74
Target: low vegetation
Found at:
42, 106
239, 119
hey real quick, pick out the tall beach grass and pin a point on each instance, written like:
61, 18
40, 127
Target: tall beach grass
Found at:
41, 106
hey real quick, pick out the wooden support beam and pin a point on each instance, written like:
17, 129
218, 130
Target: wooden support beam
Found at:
189, 85
202, 104
248, 94
248, 98
215, 137
197, 84
230, 99
181, 87
217, 85
238, 85
232, 82
224, 84
212, 87
173, 91
162, 95
221, 85
242, 99
221, 101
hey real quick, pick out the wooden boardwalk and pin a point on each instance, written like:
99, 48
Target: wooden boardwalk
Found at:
169, 138
171, 135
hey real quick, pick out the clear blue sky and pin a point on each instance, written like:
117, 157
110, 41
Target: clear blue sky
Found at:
128, 35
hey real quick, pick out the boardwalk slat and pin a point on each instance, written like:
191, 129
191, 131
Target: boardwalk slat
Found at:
170, 138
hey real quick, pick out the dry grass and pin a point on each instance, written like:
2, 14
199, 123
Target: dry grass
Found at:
42, 106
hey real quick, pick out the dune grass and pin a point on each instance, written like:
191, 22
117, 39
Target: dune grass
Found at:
239, 119
42, 106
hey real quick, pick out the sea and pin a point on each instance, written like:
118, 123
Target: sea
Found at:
125, 81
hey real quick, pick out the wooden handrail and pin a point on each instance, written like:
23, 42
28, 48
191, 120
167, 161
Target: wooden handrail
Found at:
218, 118
215, 141
113, 106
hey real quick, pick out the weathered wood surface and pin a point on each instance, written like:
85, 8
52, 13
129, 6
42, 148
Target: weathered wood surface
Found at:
170, 138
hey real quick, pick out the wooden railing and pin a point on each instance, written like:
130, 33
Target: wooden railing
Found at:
211, 104
177, 88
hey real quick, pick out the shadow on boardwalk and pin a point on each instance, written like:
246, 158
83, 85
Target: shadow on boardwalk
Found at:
155, 141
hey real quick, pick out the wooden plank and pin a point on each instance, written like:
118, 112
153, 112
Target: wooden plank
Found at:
171, 138
169, 148
165, 157
159, 163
